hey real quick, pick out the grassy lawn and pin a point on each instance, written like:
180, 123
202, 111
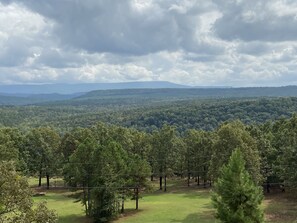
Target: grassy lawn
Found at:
177, 205
69, 211
281, 208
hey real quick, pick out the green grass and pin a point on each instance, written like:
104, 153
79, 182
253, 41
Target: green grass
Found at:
178, 206
68, 210
281, 207
183, 205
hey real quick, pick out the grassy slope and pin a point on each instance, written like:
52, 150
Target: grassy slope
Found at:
177, 205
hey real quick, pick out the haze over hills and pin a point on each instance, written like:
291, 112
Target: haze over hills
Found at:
30, 89
140, 96
128, 93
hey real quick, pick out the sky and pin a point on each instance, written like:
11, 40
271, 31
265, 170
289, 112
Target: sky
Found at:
192, 42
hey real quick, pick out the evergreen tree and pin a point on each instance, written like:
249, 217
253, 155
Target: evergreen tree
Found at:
236, 197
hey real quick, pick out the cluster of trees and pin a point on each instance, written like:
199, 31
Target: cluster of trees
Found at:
110, 163
16, 204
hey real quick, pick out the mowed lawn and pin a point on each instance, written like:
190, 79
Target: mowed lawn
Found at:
184, 205
177, 206
68, 210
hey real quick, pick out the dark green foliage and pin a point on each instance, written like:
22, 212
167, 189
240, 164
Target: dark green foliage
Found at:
104, 169
145, 115
198, 154
165, 150
231, 136
166, 137
284, 155
41, 145
236, 198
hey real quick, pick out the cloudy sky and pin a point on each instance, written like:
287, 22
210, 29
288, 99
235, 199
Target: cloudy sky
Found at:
194, 42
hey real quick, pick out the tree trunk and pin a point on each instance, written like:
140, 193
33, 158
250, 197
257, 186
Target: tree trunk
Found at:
204, 177
189, 175
47, 181
85, 199
40, 175
188, 179
123, 204
198, 180
161, 184
89, 201
267, 183
152, 177
165, 183
137, 192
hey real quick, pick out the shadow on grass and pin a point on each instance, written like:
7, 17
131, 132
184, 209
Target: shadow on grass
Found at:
131, 212
74, 219
188, 191
54, 197
281, 207
204, 217
203, 194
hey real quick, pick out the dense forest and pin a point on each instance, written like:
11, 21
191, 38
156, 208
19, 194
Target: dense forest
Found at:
205, 114
110, 148
109, 163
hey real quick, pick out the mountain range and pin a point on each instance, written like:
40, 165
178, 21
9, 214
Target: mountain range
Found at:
21, 90
128, 93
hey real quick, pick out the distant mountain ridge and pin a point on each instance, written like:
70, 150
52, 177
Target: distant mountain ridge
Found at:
24, 99
224, 92
133, 97
13, 90
137, 93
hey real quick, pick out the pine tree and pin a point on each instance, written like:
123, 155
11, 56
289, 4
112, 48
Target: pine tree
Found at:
236, 197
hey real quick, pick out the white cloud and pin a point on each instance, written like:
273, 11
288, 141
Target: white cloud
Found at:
196, 42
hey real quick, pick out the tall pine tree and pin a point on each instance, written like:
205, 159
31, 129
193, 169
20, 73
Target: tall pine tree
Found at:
236, 197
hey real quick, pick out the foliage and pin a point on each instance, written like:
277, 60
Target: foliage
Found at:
231, 136
237, 198
285, 150
148, 115
42, 146
103, 169
16, 204
164, 152
198, 153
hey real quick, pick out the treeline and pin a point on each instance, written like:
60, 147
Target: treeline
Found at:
110, 163
185, 114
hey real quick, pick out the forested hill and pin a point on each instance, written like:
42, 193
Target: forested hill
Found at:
148, 109
146, 96
199, 113
142, 96
287, 91
23, 99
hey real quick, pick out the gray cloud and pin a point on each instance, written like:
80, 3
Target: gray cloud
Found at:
257, 20
124, 27
196, 42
